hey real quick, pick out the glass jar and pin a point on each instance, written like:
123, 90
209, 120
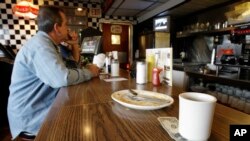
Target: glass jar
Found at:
115, 67
141, 72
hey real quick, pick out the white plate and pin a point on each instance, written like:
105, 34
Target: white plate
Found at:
145, 100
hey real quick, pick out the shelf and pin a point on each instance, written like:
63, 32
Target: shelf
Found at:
228, 81
236, 66
219, 31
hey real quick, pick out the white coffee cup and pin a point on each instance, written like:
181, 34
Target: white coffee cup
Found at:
196, 111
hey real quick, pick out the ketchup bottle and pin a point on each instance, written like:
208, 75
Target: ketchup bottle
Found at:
156, 77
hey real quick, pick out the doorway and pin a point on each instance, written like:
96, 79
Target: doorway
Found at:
117, 37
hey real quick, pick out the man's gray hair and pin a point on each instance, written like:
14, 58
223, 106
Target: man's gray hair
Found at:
47, 17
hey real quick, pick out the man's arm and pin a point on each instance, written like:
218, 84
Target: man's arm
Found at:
75, 51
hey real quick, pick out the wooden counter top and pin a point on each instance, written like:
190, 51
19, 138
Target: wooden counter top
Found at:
87, 112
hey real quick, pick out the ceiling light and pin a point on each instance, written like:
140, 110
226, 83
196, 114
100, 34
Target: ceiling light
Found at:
79, 9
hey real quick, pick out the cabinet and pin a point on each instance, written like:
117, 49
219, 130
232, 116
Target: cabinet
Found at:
234, 93
222, 31
195, 78
240, 72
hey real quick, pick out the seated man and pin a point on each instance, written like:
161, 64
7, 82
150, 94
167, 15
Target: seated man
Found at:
39, 72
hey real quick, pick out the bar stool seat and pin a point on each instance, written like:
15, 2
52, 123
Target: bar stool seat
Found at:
25, 136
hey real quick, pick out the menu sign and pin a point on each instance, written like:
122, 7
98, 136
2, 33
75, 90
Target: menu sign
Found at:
95, 12
116, 29
161, 58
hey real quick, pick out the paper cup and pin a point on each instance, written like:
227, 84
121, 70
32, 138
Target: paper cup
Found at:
196, 111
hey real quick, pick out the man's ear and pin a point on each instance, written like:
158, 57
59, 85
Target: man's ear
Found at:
57, 29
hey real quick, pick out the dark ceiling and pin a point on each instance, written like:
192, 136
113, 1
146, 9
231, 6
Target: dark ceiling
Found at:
144, 9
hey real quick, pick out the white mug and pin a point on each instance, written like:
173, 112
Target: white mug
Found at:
196, 111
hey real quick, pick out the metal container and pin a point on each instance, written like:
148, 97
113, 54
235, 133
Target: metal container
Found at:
115, 68
141, 72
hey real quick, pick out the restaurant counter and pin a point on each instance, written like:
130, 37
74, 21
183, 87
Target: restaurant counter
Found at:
183, 66
87, 112
179, 73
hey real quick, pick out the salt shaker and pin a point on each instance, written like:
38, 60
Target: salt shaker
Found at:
115, 68
141, 72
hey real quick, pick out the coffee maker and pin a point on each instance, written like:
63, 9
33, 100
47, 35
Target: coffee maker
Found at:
227, 52
228, 56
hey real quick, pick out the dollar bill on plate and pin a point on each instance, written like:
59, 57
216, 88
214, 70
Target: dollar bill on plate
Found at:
170, 124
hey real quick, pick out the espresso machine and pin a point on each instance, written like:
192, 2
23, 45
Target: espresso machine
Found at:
242, 34
244, 59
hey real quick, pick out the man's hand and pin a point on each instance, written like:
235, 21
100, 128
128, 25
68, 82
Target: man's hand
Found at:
73, 38
94, 69
72, 45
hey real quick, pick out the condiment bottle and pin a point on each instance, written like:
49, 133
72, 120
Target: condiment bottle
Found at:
156, 76
150, 65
